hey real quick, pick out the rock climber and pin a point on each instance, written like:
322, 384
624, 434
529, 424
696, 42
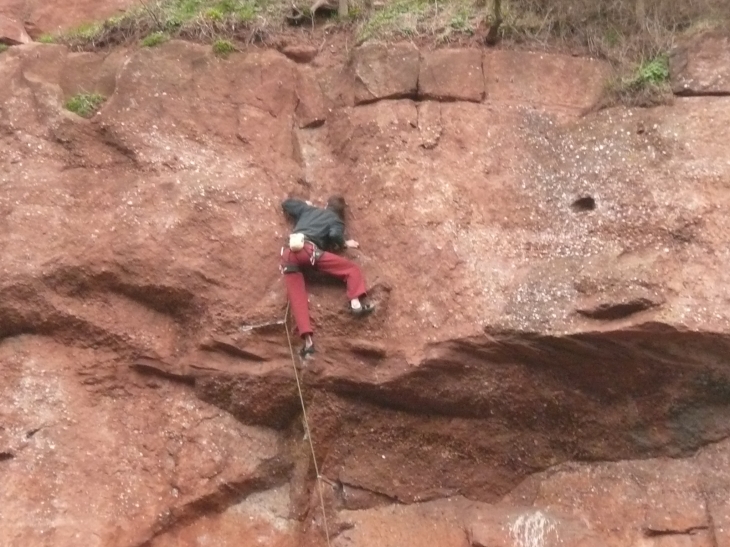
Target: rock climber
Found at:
319, 233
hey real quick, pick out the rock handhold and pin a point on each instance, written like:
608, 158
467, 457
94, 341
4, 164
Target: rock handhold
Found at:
300, 53
385, 72
616, 299
452, 75
609, 311
229, 346
701, 65
13, 33
155, 366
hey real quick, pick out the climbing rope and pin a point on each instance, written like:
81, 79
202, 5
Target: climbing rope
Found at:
306, 424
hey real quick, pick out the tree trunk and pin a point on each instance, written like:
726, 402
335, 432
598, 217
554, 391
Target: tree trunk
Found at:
493, 33
343, 9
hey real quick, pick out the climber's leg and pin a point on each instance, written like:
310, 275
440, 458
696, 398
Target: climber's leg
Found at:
349, 272
298, 302
291, 266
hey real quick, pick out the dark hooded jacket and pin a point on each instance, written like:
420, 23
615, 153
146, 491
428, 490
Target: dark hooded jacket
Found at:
322, 227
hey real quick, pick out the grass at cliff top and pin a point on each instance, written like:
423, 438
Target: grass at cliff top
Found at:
616, 30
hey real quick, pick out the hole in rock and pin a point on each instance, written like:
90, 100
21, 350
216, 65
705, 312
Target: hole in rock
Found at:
583, 204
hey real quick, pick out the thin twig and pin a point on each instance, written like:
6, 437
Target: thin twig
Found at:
152, 14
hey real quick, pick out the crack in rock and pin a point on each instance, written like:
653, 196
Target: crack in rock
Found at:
650, 532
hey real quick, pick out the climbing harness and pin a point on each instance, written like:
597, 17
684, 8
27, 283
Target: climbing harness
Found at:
297, 244
320, 478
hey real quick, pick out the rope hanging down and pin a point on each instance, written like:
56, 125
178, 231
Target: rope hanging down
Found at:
306, 425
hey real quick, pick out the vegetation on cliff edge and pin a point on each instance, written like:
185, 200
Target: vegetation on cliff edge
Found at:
635, 35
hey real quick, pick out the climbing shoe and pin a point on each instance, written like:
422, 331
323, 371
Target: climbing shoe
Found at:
306, 351
366, 309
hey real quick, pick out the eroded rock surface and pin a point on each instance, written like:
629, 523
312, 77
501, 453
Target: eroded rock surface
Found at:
452, 74
553, 297
700, 65
12, 33
41, 17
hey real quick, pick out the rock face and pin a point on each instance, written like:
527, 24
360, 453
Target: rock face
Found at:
520, 78
42, 17
454, 75
701, 65
12, 33
552, 297
383, 71
300, 53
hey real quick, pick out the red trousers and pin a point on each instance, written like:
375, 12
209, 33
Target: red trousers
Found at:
328, 263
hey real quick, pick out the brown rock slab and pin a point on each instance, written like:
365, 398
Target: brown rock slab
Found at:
353, 498
663, 502
229, 346
81, 73
261, 518
311, 110
435, 524
384, 71
701, 66
86, 72
42, 17
490, 526
300, 53
619, 303
106, 79
42, 62
451, 75
240, 101
36, 103
456, 522
544, 79
614, 288
118, 454
12, 33
693, 538
268, 81
720, 511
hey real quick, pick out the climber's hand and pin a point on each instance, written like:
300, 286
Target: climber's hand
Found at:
352, 244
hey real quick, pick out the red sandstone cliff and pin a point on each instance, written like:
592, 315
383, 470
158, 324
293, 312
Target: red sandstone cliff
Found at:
550, 354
